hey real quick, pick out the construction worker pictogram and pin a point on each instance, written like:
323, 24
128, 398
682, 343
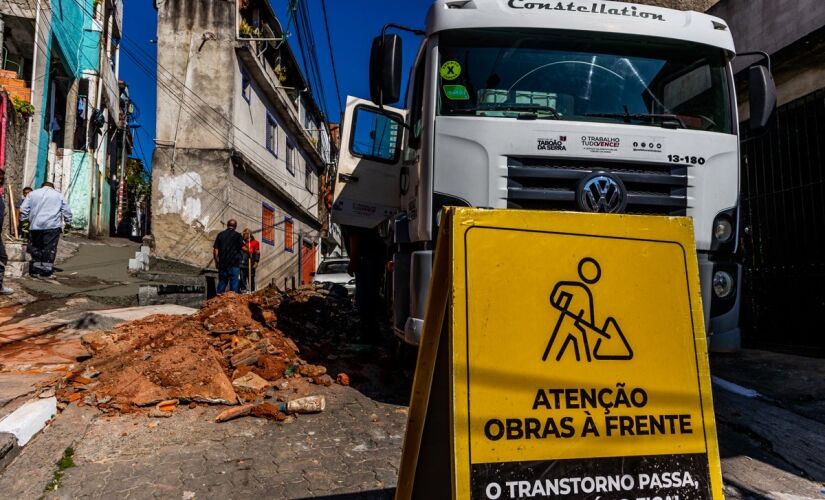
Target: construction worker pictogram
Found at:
576, 327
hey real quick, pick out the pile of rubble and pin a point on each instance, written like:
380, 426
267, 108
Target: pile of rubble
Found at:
231, 352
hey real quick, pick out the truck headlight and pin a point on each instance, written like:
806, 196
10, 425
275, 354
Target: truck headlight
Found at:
723, 229
723, 284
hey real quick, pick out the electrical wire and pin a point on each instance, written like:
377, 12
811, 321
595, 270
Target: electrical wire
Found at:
181, 102
332, 58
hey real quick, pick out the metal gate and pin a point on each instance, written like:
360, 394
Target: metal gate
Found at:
783, 217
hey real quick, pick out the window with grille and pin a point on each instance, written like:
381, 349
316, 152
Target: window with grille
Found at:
290, 157
271, 135
309, 179
268, 224
289, 244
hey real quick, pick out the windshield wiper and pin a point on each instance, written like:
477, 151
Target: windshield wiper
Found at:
526, 111
665, 120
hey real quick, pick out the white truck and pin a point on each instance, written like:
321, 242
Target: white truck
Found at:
582, 105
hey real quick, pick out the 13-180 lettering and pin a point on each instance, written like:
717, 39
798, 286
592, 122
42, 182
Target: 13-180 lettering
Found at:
692, 160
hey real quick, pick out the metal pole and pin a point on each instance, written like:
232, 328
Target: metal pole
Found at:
121, 187
13, 212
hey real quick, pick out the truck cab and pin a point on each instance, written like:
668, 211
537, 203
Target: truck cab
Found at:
602, 107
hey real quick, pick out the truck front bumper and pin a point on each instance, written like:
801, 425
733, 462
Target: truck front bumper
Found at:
721, 315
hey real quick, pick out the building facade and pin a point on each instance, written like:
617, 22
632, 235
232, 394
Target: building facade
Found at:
63, 56
783, 188
239, 136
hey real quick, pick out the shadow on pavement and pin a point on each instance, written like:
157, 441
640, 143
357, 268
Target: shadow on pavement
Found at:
364, 495
325, 328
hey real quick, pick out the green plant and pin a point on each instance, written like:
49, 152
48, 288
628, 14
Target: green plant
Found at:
247, 31
22, 107
138, 182
65, 462
280, 72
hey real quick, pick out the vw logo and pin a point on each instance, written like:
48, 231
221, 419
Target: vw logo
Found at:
601, 193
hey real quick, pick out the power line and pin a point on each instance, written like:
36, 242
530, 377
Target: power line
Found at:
193, 111
332, 58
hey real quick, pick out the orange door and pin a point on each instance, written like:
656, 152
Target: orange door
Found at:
307, 263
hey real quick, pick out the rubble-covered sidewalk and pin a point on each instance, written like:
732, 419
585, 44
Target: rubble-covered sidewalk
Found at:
145, 414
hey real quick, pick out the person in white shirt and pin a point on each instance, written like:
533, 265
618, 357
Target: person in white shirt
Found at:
46, 210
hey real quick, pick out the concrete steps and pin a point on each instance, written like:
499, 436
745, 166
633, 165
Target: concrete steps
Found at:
18, 265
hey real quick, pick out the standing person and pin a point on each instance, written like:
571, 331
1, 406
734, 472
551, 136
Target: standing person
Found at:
4, 258
227, 251
46, 210
251, 257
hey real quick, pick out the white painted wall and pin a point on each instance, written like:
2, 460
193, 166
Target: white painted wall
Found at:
250, 118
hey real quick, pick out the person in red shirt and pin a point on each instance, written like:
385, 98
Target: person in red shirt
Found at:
251, 257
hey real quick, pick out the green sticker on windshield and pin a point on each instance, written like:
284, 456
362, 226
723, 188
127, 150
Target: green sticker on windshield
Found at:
456, 92
450, 70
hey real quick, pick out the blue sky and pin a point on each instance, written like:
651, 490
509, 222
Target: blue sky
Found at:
352, 24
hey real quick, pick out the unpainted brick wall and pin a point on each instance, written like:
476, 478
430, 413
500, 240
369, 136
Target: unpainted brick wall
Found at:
697, 5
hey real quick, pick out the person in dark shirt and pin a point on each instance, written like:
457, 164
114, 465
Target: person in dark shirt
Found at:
227, 251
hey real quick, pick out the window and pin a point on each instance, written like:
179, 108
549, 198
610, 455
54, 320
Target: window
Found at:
375, 135
616, 79
417, 107
268, 224
308, 180
271, 135
290, 157
246, 87
289, 245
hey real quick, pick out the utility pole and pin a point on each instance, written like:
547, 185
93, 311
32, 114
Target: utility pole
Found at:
121, 187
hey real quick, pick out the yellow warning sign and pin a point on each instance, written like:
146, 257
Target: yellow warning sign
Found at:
574, 351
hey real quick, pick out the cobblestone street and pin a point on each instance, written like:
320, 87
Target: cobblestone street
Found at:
353, 447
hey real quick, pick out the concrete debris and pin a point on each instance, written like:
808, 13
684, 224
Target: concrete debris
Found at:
251, 382
232, 351
238, 411
309, 404
167, 406
311, 371
268, 411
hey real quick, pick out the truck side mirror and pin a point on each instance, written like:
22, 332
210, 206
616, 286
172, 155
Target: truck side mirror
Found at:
762, 98
385, 70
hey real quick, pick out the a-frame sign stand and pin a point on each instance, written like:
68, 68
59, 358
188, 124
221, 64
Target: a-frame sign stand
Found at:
563, 356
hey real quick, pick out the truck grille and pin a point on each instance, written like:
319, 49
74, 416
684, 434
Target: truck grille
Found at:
550, 184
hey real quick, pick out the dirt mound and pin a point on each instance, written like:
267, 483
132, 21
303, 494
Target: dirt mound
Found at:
230, 352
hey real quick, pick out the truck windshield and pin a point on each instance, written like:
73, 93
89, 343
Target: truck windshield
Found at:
578, 76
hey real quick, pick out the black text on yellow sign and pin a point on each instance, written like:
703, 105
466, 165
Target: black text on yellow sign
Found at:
563, 356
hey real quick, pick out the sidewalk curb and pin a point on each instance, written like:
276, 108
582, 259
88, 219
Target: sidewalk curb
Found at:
8, 449
25, 422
